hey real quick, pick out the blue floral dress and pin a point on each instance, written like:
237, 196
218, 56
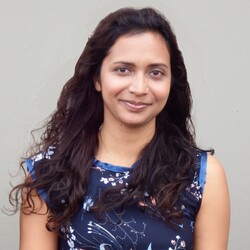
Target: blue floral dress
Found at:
130, 228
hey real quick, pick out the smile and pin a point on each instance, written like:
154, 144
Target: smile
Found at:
135, 106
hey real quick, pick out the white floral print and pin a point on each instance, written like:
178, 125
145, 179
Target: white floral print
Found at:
178, 244
119, 178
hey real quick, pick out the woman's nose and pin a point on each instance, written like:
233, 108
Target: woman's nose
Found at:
139, 85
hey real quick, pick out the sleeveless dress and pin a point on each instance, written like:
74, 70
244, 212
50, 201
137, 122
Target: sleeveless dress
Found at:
130, 228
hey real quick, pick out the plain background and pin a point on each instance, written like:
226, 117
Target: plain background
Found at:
41, 41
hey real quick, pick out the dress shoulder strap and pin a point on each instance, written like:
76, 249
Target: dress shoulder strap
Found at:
203, 169
30, 164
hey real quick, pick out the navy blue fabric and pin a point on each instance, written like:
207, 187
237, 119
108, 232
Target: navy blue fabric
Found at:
130, 227
30, 166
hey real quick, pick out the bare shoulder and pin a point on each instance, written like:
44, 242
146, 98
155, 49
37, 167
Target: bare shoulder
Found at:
214, 166
33, 231
212, 222
216, 181
216, 176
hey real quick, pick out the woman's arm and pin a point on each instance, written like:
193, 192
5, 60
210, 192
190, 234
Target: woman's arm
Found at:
33, 232
212, 222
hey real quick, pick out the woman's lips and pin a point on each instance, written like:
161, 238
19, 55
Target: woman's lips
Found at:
135, 106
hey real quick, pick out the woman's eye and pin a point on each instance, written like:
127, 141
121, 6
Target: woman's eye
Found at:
122, 70
156, 73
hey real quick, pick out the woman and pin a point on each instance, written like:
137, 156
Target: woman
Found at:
117, 166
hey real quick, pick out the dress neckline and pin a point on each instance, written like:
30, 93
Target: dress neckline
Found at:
112, 167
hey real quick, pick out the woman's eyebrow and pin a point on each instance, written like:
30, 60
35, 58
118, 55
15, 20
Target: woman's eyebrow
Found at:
124, 63
158, 65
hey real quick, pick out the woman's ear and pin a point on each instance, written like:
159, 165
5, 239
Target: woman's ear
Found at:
98, 86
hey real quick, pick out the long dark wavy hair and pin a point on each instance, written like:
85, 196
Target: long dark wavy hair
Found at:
164, 166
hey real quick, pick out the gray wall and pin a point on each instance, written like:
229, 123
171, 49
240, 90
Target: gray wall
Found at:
41, 41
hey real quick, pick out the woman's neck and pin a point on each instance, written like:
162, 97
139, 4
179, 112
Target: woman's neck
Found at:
122, 145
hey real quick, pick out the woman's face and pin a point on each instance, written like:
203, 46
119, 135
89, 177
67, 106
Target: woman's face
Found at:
135, 79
